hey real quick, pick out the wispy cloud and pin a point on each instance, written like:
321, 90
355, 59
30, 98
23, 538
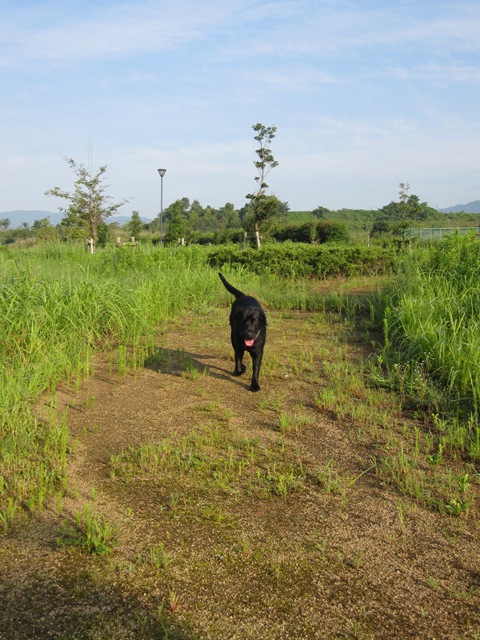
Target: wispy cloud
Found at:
59, 31
448, 73
108, 30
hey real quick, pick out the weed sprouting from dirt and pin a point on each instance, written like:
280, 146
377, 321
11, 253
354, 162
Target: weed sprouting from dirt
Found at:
157, 556
217, 460
90, 531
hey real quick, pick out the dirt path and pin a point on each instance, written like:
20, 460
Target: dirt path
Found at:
252, 515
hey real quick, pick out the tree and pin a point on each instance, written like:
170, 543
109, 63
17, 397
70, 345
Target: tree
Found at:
262, 209
135, 224
380, 227
409, 205
88, 203
195, 214
228, 216
261, 215
43, 229
321, 212
177, 227
5, 223
409, 209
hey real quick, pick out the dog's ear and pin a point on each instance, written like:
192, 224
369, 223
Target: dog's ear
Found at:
238, 315
263, 317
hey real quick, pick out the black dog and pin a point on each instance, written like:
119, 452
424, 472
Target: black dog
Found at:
249, 332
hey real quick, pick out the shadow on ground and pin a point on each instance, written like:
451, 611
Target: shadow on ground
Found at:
71, 601
178, 362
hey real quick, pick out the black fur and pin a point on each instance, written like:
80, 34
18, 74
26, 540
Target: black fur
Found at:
249, 332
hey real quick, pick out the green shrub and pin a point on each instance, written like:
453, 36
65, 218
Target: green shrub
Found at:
314, 232
301, 260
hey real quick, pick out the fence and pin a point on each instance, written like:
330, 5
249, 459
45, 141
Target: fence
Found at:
437, 233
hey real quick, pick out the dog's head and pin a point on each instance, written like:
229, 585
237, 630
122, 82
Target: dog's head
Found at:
249, 322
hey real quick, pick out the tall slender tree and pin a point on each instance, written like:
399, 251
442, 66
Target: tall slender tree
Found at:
263, 207
88, 203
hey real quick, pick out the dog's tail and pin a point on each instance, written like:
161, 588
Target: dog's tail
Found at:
232, 290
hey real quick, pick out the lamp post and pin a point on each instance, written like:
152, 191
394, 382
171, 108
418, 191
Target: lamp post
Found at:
162, 173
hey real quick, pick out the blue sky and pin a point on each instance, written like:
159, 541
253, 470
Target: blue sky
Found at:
364, 94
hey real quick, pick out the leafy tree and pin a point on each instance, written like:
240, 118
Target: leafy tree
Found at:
43, 229
88, 203
380, 227
261, 215
185, 204
229, 216
408, 209
182, 204
409, 206
5, 223
263, 208
195, 214
135, 225
104, 234
44, 223
389, 211
321, 212
208, 221
203, 219
177, 227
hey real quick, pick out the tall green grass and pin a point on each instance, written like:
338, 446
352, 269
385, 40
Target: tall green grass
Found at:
432, 331
58, 306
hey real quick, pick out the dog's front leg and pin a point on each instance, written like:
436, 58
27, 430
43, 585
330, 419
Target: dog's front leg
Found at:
239, 366
256, 362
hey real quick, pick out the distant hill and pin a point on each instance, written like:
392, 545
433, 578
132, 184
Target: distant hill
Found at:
17, 218
471, 207
121, 220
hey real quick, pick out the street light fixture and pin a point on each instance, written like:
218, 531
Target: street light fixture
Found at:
162, 173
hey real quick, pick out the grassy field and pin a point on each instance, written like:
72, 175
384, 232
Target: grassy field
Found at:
132, 474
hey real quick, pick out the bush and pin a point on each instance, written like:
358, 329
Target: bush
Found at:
302, 260
314, 232
223, 236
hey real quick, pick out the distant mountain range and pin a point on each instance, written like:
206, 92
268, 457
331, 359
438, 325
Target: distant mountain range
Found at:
17, 218
471, 207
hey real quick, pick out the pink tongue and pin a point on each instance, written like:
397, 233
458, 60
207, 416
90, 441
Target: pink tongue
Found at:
249, 343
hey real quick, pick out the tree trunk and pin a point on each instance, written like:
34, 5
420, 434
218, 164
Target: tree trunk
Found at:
257, 236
